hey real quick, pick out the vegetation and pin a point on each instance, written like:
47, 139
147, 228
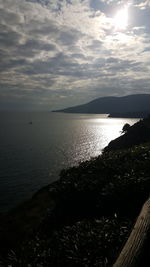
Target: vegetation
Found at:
85, 217
125, 128
137, 134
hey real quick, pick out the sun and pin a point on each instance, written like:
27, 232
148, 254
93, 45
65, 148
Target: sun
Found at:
121, 19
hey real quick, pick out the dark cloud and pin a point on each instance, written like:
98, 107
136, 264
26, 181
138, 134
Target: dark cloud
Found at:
8, 37
41, 2
7, 16
95, 45
37, 45
112, 60
32, 46
78, 56
115, 64
62, 65
46, 28
45, 82
12, 63
69, 37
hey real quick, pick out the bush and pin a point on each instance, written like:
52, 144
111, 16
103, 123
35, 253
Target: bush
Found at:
125, 128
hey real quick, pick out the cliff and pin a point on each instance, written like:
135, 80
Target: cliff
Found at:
137, 134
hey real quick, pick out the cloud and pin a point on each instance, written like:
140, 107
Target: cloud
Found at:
69, 37
43, 28
142, 4
32, 46
61, 53
7, 15
41, 2
8, 37
146, 49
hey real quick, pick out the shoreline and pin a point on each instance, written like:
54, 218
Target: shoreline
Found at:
95, 194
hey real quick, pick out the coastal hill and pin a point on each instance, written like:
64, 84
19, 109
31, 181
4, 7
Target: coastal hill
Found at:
127, 106
137, 134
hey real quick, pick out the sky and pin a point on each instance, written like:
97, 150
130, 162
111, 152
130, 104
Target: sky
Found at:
61, 53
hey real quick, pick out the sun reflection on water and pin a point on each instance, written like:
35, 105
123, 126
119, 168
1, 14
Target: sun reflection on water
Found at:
106, 131
99, 132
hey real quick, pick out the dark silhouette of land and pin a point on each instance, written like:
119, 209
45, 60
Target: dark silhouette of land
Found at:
136, 134
137, 106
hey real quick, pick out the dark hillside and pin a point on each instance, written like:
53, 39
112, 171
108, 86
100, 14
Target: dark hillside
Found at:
137, 134
137, 104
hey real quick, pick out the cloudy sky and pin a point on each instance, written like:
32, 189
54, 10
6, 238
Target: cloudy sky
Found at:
59, 53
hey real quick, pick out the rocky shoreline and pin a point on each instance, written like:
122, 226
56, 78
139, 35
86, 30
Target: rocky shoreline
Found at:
85, 217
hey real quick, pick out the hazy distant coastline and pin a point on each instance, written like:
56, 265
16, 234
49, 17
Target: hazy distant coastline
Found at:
131, 106
138, 114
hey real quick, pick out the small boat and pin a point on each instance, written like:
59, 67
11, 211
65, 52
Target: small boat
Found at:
30, 122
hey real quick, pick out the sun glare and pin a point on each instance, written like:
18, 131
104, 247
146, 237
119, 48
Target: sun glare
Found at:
121, 19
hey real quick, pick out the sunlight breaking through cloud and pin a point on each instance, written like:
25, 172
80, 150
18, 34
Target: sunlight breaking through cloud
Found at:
78, 49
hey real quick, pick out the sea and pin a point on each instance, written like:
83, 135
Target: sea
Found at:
36, 146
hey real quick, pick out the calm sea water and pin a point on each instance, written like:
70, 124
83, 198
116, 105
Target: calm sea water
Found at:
32, 155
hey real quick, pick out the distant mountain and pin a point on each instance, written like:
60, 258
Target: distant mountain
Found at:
126, 106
